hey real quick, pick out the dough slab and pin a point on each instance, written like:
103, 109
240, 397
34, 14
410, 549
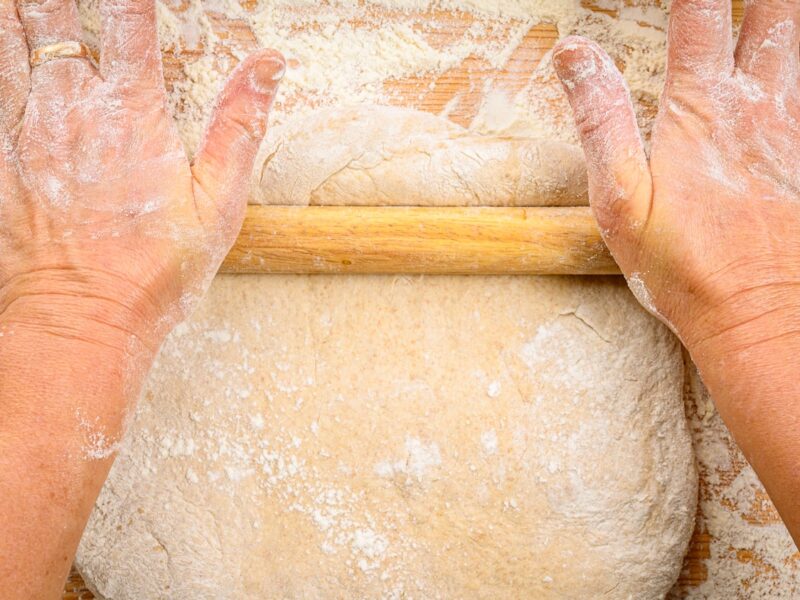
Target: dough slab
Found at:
394, 437
312, 437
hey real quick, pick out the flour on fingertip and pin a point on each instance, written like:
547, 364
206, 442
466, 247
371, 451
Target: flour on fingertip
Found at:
642, 294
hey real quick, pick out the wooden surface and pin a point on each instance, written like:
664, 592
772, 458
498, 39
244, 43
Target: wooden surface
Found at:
75, 588
462, 84
434, 241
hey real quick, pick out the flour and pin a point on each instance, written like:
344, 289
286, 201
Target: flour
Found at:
489, 442
356, 55
494, 389
420, 458
643, 295
752, 554
353, 54
97, 445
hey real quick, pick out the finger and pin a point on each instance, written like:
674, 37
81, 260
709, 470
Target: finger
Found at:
14, 69
769, 42
49, 21
224, 164
130, 49
619, 178
700, 39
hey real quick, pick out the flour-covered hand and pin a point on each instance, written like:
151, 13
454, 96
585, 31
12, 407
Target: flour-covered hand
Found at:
108, 236
707, 229
106, 229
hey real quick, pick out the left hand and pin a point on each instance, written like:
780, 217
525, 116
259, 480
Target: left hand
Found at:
108, 232
108, 236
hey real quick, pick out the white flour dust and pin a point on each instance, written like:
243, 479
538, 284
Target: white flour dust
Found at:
751, 554
348, 52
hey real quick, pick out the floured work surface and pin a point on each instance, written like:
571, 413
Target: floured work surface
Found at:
445, 65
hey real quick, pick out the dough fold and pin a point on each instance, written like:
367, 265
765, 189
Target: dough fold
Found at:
385, 156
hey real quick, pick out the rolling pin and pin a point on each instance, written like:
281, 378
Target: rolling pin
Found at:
419, 240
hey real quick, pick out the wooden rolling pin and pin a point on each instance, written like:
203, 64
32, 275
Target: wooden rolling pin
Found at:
435, 241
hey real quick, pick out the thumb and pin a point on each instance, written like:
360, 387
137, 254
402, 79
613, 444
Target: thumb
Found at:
223, 166
620, 186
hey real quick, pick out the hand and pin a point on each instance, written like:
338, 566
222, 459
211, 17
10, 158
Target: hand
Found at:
108, 231
708, 230
108, 236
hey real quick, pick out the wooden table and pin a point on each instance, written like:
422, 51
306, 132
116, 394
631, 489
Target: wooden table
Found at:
433, 95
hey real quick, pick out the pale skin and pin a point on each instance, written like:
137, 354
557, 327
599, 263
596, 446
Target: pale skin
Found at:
108, 236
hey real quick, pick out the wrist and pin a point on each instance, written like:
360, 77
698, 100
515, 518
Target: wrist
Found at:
73, 390
78, 340
742, 305
85, 309
745, 342
744, 320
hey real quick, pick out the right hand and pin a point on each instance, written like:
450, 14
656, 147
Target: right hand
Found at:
708, 230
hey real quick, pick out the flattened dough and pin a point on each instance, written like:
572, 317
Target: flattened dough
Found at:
395, 437
380, 155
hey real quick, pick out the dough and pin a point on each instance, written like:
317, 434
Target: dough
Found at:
398, 437
395, 437
379, 155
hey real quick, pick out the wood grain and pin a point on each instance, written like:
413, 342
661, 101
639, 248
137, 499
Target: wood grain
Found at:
433, 241
75, 588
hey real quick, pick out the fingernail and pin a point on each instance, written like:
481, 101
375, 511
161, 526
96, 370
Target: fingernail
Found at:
577, 71
576, 63
267, 73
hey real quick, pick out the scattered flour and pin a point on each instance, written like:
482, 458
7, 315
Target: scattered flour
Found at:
419, 459
643, 295
97, 445
489, 442
344, 53
493, 391
347, 52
